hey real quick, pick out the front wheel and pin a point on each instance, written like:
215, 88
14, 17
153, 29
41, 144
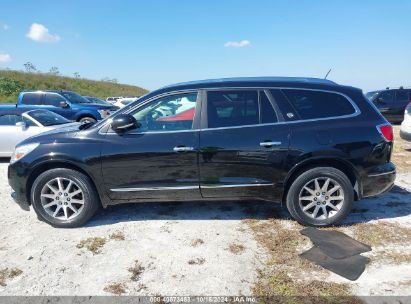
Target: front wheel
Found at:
320, 197
64, 198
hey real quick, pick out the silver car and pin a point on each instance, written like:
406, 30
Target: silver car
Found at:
17, 125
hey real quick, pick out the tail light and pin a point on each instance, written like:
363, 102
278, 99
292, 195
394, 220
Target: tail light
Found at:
386, 131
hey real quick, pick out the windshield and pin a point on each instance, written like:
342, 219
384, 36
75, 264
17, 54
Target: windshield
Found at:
371, 95
75, 98
47, 118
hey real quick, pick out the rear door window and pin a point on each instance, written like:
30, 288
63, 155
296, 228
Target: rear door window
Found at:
387, 97
401, 95
232, 108
32, 99
318, 104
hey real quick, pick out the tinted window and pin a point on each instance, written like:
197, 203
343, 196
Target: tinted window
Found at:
31, 99
387, 96
9, 120
75, 98
171, 113
53, 99
267, 112
401, 95
318, 104
47, 118
232, 108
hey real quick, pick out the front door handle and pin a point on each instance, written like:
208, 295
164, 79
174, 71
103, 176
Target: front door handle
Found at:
182, 149
269, 143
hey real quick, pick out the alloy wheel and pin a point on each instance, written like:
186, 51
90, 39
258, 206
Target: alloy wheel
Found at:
321, 198
62, 198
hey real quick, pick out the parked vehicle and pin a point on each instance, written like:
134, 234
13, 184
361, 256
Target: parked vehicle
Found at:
113, 99
97, 100
405, 131
311, 144
65, 103
391, 102
122, 102
16, 125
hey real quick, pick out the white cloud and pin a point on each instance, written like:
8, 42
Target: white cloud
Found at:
4, 58
39, 32
237, 44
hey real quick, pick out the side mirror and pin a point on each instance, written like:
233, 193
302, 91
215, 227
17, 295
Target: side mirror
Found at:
21, 124
124, 122
63, 104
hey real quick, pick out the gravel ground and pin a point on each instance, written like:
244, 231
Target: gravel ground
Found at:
180, 249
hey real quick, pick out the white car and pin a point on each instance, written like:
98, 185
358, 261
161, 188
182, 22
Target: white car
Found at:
405, 131
17, 125
122, 102
113, 99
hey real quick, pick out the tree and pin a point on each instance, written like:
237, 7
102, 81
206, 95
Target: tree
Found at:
76, 75
30, 68
54, 71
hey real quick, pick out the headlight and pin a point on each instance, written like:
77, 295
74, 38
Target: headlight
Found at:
22, 151
104, 113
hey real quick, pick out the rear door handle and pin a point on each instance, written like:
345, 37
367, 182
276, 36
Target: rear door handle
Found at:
269, 143
182, 149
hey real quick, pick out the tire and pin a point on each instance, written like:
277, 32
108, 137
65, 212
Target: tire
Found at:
68, 190
302, 203
87, 119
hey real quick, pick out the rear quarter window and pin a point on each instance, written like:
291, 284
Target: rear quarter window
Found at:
318, 104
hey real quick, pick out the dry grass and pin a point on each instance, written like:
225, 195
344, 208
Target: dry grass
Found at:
8, 274
286, 275
392, 257
116, 288
197, 261
236, 248
197, 242
117, 236
93, 244
402, 152
381, 233
136, 271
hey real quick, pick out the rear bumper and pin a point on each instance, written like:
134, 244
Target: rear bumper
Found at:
379, 180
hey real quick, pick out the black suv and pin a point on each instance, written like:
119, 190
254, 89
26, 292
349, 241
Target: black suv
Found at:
309, 143
391, 102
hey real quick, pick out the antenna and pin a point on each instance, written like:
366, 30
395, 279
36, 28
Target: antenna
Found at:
326, 75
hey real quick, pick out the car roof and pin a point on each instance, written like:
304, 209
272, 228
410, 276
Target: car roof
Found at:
247, 81
50, 91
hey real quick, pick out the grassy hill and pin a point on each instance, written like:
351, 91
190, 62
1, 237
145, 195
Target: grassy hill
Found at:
11, 82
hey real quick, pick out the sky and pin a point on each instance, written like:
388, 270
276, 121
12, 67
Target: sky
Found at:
152, 43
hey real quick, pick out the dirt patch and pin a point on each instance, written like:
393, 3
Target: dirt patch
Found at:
116, 288
197, 261
236, 248
196, 242
6, 274
381, 233
117, 236
93, 244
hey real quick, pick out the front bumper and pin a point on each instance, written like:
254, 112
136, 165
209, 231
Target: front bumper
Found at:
379, 180
18, 183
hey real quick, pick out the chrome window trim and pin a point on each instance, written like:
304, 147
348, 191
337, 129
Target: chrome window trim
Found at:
187, 187
357, 111
234, 186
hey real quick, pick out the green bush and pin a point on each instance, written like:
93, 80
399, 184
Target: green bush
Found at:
10, 86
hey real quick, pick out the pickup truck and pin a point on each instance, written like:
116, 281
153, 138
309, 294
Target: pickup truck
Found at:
66, 103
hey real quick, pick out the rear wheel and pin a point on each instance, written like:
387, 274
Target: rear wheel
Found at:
320, 197
64, 198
